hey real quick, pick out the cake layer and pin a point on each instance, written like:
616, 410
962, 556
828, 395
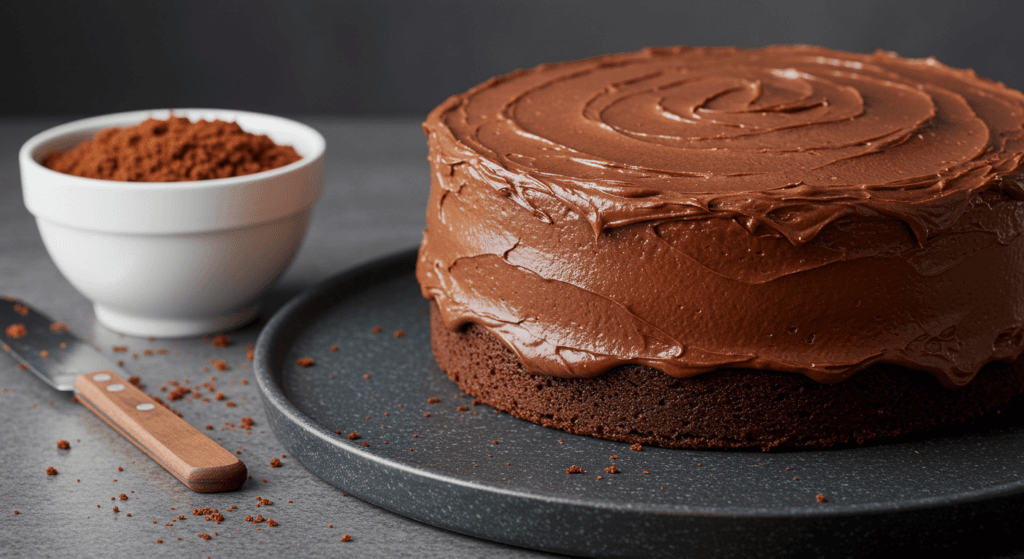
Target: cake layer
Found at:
790, 209
725, 409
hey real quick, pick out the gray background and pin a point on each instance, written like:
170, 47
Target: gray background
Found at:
404, 57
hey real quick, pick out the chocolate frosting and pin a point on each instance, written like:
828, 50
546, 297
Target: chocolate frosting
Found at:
791, 208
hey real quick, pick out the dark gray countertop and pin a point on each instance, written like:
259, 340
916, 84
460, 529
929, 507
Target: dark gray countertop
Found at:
374, 196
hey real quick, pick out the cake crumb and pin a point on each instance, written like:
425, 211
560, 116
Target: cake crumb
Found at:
16, 331
636, 446
399, 333
219, 364
304, 361
574, 469
220, 341
613, 457
123, 497
63, 445
275, 463
613, 469
59, 327
377, 329
51, 471
433, 400
334, 347
346, 538
820, 498
116, 510
271, 522
599, 477
353, 436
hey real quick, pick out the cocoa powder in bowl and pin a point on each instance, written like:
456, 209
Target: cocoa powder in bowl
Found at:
172, 150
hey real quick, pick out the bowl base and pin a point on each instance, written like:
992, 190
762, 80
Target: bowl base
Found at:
144, 326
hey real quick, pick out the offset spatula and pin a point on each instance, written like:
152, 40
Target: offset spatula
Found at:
192, 457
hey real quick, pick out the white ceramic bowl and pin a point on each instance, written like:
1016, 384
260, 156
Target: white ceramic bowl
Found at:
174, 259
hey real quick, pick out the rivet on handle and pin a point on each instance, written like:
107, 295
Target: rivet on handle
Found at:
144, 407
102, 377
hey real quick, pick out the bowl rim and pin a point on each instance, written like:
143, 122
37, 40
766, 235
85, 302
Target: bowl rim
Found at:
26, 155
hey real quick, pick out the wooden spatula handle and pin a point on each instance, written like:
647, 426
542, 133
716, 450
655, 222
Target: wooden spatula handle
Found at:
192, 457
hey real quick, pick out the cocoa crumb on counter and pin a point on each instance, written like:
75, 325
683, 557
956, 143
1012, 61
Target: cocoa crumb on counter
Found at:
353, 436
377, 329
59, 327
433, 400
220, 340
51, 471
123, 497
120, 349
204, 536
136, 381
612, 469
116, 510
304, 361
574, 469
346, 538
44, 354
613, 457
120, 469
249, 353
820, 498
21, 309
219, 364
462, 408
218, 396
63, 445
209, 427
230, 404
275, 463
399, 333
637, 447
16, 512
16, 331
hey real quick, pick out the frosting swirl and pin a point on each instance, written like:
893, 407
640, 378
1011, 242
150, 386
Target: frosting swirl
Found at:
790, 208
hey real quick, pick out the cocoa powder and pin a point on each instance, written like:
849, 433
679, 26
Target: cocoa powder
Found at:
172, 150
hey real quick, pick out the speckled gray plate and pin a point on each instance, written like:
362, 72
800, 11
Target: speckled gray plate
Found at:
959, 489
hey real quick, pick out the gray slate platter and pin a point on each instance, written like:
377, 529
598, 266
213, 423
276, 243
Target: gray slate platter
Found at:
957, 490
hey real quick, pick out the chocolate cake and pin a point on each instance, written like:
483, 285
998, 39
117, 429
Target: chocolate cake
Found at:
788, 246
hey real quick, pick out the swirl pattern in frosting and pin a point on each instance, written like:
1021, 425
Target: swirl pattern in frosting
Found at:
789, 208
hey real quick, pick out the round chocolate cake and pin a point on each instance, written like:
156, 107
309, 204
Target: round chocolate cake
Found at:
730, 248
